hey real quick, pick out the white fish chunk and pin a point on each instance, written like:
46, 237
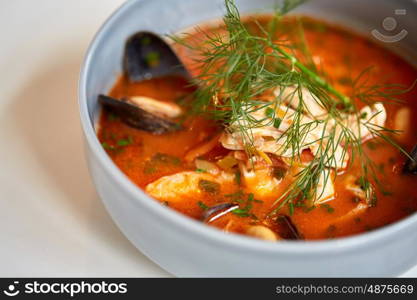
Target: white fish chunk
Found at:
325, 187
157, 107
183, 185
290, 96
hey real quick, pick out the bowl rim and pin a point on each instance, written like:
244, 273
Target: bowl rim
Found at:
191, 226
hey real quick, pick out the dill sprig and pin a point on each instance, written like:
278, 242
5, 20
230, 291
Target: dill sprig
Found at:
242, 65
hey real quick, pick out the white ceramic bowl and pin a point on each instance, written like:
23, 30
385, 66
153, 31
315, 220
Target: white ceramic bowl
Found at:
185, 247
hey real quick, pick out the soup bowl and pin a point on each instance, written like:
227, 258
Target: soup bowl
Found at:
185, 247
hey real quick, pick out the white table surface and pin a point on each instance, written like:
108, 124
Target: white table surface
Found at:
52, 222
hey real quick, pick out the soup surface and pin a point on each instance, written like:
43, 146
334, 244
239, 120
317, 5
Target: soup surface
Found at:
190, 170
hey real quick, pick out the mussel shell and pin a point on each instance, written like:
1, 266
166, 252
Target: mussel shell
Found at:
287, 228
411, 163
148, 56
136, 117
217, 211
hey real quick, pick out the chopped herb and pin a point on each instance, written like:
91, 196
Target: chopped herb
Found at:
166, 158
238, 177
269, 112
107, 146
202, 205
251, 197
200, 170
300, 204
209, 186
152, 59
245, 210
327, 207
125, 142
308, 209
146, 40
151, 166
149, 170
277, 122
241, 212
235, 197
363, 115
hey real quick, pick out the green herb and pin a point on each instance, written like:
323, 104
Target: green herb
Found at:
146, 40
238, 177
202, 205
270, 113
166, 159
125, 142
200, 170
152, 165
148, 169
277, 122
309, 208
241, 212
152, 59
328, 208
209, 186
107, 146
244, 210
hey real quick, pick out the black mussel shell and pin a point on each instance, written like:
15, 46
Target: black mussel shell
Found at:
217, 211
287, 229
411, 163
148, 56
136, 117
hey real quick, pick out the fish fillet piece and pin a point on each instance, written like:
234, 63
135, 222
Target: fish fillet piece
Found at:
183, 185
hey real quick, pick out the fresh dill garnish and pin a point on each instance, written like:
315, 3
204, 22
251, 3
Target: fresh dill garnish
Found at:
241, 66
